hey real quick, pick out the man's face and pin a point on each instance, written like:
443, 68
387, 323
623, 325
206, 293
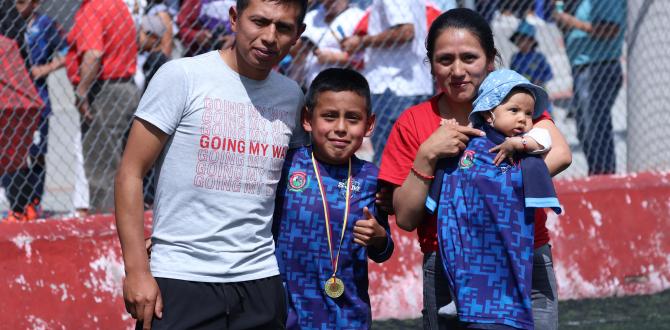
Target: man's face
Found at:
25, 7
265, 31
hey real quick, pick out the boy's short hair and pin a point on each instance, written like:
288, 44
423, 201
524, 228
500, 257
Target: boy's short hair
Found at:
338, 80
243, 4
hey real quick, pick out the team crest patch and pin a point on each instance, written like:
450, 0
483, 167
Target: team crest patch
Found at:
467, 160
298, 181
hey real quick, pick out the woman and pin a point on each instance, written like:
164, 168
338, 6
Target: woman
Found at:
461, 52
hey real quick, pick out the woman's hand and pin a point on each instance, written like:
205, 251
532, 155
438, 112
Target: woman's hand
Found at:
447, 141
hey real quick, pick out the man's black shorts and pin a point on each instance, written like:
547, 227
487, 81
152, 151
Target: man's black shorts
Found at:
258, 304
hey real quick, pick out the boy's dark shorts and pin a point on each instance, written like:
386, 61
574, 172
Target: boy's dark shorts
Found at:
258, 304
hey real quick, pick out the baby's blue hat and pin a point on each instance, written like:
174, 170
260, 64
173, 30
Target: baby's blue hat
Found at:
495, 88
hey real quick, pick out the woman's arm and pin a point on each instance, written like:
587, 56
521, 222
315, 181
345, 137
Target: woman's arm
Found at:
410, 198
559, 157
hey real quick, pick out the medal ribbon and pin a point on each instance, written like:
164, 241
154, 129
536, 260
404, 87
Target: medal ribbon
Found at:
326, 212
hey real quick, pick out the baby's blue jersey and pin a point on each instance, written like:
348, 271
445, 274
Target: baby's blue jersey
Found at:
302, 243
485, 236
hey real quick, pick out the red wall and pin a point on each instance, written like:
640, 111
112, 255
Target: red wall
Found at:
611, 241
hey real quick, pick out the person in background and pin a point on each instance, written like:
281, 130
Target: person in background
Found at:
394, 62
155, 38
12, 25
46, 48
326, 26
100, 63
594, 34
204, 25
528, 61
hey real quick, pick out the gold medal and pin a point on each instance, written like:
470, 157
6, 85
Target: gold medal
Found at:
334, 287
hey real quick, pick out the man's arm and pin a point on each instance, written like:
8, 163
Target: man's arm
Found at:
88, 73
390, 38
140, 290
599, 30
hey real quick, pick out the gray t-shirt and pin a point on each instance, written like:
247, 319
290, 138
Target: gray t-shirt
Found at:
219, 170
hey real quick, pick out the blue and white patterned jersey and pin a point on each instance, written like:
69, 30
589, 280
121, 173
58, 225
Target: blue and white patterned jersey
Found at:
485, 236
302, 243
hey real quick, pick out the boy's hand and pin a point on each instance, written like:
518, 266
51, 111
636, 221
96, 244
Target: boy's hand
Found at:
506, 150
142, 297
384, 200
368, 232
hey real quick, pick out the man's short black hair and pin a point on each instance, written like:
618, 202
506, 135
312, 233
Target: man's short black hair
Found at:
338, 80
243, 4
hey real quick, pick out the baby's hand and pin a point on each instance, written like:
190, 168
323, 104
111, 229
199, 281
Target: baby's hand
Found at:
507, 149
368, 232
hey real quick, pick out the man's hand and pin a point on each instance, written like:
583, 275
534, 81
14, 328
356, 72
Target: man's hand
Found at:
40, 71
142, 298
84, 109
368, 232
352, 44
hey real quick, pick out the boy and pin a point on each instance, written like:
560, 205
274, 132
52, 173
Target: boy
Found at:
528, 61
46, 53
321, 246
485, 224
219, 124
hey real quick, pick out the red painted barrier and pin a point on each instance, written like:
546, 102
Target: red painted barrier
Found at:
611, 241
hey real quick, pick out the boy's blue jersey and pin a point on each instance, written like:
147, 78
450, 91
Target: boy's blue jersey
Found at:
485, 237
45, 41
302, 243
533, 66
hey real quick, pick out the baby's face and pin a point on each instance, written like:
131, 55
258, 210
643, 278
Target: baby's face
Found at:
515, 115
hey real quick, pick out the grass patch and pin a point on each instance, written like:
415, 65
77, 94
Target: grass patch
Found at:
616, 313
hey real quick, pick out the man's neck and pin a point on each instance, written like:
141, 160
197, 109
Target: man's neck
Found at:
233, 59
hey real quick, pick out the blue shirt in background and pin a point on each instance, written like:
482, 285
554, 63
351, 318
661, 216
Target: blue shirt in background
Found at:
45, 41
583, 48
532, 65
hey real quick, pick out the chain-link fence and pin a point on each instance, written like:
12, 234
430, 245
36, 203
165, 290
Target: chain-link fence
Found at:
72, 73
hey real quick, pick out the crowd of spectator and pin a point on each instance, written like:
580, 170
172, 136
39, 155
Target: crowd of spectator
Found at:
114, 48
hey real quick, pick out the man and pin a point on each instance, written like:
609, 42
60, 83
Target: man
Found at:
594, 42
395, 64
220, 125
101, 63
